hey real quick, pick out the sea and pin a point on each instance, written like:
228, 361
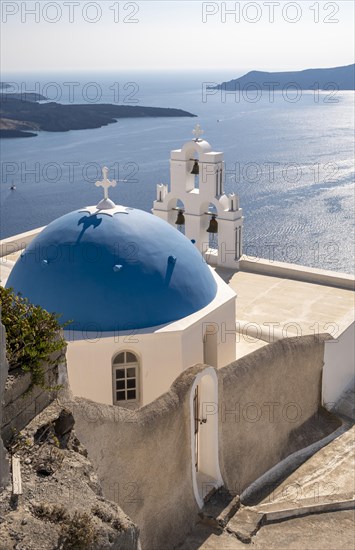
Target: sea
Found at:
289, 155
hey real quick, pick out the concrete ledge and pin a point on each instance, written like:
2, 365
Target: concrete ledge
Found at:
248, 520
297, 272
18, 242
6, 262
282, 511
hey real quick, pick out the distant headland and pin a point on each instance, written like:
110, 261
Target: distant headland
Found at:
342, 78
24, 116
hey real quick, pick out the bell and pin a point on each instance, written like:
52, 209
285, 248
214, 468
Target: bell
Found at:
195, 169
213, 227
180, 220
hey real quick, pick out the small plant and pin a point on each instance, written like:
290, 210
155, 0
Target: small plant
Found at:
56, 441
103, 514
78, 533
55, 513
19, 441
32, 336
107, 517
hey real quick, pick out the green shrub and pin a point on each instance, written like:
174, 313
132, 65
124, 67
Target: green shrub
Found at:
32, 335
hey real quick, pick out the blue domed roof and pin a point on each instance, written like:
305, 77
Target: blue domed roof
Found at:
130, 270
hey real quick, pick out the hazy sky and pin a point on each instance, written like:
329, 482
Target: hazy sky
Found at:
175, 35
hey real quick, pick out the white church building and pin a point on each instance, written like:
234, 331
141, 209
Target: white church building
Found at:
150, 320
141, 302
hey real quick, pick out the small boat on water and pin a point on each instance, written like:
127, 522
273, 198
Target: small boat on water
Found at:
13, 187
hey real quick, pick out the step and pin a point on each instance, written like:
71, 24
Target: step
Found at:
219, 509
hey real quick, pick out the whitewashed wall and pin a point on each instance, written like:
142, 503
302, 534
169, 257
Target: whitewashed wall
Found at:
339, 370
164, 352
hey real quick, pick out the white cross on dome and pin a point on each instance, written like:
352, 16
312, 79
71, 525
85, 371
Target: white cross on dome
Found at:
105, 183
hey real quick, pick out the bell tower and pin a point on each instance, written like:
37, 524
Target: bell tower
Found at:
197, 203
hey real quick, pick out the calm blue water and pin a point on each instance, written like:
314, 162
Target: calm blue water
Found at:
290, 162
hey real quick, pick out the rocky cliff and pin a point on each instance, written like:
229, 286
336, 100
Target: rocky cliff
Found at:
58, 503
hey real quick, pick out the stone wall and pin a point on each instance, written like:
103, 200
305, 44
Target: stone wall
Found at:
4, 466
19, 407
143, 461
266, 400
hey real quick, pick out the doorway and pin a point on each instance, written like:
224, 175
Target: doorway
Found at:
206, 475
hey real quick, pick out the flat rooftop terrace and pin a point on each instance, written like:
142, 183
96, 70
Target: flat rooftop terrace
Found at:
273, 307
263, 299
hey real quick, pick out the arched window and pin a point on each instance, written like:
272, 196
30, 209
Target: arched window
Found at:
125, 371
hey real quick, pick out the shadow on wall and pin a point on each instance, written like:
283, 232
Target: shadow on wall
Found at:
143, 460
143, 457
266, 401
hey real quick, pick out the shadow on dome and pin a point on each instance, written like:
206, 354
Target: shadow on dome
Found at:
88, 221
169, 270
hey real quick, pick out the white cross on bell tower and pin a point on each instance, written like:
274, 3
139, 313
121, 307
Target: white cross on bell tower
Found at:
197, 132
105, 183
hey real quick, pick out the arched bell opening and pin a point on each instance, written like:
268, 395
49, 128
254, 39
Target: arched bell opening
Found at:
179, 222
174, 206
193, 170
210, 222
206, 474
